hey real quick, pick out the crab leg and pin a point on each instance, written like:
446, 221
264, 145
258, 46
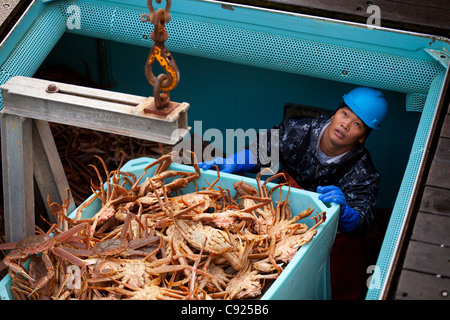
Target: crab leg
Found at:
15, 266
68, 256
67, 234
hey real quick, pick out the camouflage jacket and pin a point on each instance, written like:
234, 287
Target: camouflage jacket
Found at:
354, 173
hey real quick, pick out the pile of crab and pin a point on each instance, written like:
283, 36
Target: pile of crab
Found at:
151, 241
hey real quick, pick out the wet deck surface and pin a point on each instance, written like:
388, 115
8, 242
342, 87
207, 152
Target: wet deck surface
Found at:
10, 11
431, 16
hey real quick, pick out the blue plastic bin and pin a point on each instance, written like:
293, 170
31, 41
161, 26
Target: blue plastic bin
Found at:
307, 276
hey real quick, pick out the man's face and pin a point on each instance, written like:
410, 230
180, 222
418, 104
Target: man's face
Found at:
345, 130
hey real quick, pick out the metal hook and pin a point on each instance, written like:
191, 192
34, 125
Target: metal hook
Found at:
164, 58
161, 99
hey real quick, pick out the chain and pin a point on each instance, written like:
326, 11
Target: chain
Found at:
159, 53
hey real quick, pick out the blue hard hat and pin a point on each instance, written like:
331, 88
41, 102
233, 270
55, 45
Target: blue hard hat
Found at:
368, 104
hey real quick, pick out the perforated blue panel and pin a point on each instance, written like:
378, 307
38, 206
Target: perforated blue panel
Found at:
35, 45
210, 38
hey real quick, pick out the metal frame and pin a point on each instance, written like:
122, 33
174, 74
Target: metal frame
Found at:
28, 147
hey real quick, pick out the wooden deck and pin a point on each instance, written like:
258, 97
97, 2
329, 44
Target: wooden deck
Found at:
10, 12
425, 270
430, 16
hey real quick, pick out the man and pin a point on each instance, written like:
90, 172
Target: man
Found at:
327, 155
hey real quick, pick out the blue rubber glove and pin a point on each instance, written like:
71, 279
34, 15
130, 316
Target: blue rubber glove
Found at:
236, 163
348, 217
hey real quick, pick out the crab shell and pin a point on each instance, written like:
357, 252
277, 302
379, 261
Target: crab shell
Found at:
35, 244
110, 247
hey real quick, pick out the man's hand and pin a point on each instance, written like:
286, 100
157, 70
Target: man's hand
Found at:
221, 163
236, 163
348, 217
332, 194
